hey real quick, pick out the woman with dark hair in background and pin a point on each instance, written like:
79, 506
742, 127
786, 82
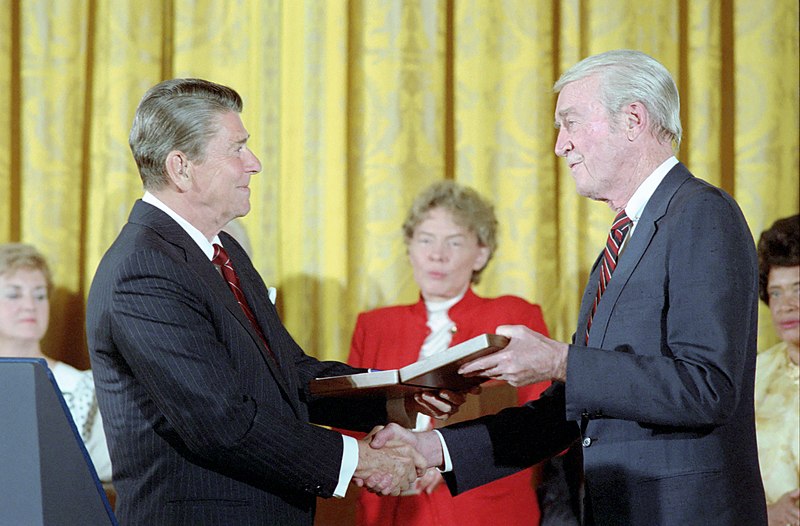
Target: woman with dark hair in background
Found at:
777, 385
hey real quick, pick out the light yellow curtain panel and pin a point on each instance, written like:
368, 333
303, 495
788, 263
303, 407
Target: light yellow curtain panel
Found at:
354, 107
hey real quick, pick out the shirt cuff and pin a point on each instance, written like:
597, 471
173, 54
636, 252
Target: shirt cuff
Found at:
448, 464
349, 465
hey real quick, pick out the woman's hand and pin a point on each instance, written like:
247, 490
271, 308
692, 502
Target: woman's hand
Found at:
786, 510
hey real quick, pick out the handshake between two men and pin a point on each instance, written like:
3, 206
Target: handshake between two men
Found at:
390, 463
392, 457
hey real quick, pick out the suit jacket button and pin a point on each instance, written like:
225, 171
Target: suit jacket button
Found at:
587, 442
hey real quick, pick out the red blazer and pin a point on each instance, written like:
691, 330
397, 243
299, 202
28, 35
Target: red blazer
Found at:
390, 338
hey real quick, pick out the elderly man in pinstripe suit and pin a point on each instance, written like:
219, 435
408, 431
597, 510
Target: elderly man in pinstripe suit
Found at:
203, 390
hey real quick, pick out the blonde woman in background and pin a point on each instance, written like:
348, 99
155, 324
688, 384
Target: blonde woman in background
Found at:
25, 286
450, 234
777, 384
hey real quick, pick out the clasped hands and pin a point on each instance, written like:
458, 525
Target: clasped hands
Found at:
390, 459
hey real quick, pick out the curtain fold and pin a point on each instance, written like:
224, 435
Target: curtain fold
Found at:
354, 106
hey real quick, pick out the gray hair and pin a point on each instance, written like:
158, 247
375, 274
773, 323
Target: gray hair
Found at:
177, 114
626, 76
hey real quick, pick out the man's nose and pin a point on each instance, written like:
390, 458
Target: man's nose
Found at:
563, 144
253, 165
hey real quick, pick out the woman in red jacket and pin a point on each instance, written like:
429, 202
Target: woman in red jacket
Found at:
450, 233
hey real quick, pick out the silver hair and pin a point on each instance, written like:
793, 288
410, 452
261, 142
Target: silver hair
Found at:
626, 76
177, 114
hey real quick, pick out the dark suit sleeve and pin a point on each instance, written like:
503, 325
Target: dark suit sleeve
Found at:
495, 446
344, 413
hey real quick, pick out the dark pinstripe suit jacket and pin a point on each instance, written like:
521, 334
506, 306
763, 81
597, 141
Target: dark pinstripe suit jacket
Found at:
664, 392
202, 428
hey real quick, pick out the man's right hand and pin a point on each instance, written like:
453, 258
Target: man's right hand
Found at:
427, 443
390, 469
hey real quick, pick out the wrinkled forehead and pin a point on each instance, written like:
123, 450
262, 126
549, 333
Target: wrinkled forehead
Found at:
579, 92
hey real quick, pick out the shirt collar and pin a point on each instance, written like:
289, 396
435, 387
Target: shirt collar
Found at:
442, 306
642, 195
198, 237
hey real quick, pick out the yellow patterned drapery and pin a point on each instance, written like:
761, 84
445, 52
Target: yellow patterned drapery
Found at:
354, 106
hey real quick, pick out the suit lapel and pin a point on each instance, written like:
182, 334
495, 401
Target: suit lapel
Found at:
266, 315
589, 292
635, 249
212, 280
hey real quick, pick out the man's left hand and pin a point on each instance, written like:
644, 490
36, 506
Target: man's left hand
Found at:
528, 358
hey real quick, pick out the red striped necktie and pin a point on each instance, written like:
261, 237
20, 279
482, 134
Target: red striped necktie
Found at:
222, 260
619, 229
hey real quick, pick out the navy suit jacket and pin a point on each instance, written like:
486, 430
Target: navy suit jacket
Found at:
662, 395
202, 427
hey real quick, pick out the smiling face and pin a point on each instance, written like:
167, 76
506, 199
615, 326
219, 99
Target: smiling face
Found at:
443, 255
219, 190
24, 308
592, 142
783, 293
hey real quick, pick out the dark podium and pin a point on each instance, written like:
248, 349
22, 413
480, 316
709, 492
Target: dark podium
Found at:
46, 476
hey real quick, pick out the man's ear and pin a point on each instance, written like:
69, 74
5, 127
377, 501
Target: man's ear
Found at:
177, 165
635, 119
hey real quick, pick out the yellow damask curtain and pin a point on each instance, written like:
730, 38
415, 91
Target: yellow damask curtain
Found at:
354, 106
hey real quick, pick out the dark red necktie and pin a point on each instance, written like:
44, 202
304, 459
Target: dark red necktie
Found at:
222, 260
619, 229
